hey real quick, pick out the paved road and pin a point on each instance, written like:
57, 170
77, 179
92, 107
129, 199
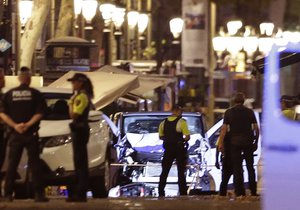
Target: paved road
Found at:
182, 203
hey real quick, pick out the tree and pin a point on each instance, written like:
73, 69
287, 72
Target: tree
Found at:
33, 31
66, 14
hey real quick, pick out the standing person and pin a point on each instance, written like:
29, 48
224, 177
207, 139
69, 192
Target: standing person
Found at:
227, 169
23, 108
288, 107
79, 107
175, 133
244, 134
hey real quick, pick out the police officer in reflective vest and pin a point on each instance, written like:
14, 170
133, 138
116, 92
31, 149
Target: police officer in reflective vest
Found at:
175, 133
23, 108
79, 107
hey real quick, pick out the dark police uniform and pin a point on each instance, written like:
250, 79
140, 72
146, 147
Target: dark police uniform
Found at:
240, 120
227, 169
21, 104
80, 133
173, 129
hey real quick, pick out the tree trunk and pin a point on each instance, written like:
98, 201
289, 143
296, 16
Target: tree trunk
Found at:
65, 18
33, 31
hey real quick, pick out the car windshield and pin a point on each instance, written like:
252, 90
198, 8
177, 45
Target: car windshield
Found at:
57, 106
150, 124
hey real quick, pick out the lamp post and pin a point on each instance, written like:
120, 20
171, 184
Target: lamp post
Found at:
77, 7
176, 27
234, 26
118, 19
107, 11
89, 8
132, 18
143, 21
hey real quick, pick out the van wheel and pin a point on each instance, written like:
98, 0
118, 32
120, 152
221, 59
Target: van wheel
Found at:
100, 184
207, 182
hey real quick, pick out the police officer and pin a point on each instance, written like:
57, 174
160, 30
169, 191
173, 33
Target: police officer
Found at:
244, 134
175, 133
23, 108
79, 107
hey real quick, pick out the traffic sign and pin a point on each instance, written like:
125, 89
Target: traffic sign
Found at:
4, 45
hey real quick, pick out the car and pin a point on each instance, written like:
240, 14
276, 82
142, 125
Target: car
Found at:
140, 151
56, 148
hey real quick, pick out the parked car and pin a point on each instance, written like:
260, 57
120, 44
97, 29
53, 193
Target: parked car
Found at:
56, 148
140, 153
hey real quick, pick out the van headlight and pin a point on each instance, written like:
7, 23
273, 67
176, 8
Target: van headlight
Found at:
58, 141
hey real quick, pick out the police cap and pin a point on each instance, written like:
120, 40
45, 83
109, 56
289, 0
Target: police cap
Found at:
78, 77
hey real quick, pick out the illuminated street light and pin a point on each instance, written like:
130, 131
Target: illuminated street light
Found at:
290, 36
143, 23
133, 18
118, 19
265, 44
234, 26
107, 10
234, 44
219, 43
25, 7
89, 9
176, 27
77, 7
266, 28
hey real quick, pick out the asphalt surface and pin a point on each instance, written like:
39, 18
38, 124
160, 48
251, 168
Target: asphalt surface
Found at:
179, 203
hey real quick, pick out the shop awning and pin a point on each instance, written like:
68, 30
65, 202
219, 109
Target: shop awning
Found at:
107, 87
148, 82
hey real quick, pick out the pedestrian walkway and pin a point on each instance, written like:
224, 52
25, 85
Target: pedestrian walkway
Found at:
178, 203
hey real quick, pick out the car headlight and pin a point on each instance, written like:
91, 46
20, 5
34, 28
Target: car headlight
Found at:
58, 141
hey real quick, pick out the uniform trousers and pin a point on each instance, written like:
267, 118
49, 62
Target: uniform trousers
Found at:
178, 153
17, 143
80, 138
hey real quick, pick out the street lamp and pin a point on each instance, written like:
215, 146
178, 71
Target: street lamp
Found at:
143, 21
176, 27
132, 17
118, 19
250, 43
25, 7
265, 44
266, 28
233, 26
290, 36
107, 10
78, 7
89, 8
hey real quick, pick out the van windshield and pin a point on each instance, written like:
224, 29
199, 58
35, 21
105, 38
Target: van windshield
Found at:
150, 124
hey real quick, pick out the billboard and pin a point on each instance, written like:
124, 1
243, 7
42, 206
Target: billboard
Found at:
195, 33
